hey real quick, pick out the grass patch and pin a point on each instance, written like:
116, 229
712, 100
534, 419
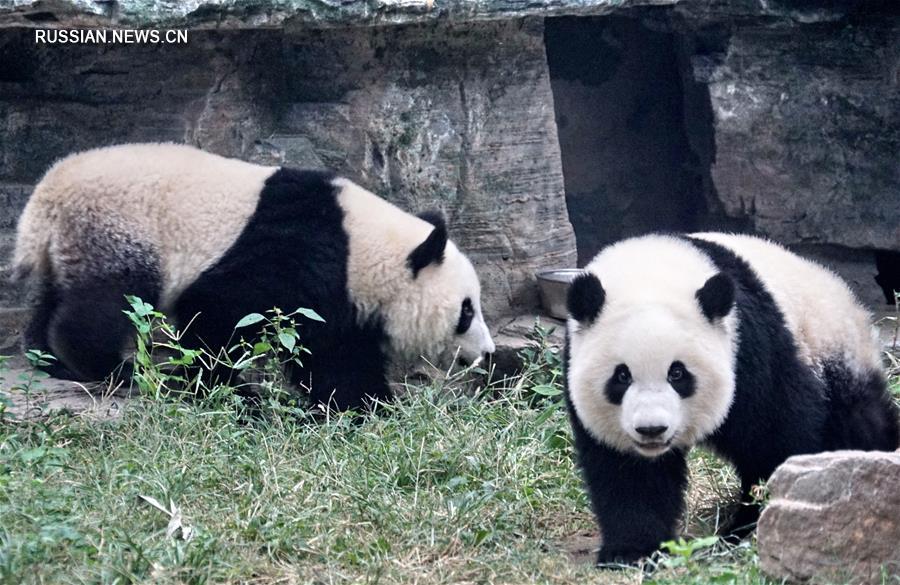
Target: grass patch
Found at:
441, 487
437, 488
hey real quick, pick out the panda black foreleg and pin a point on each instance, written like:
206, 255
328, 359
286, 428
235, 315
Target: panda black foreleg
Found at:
743, 523
348, 375
204, 329
637, 501
340, 388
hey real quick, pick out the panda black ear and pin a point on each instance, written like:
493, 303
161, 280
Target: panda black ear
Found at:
434, 217
430, 251
585, 298
716, 297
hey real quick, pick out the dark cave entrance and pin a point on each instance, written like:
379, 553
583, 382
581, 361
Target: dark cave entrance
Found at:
887, 264
635, 130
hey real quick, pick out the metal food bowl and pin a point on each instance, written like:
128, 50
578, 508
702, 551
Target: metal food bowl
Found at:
554, 286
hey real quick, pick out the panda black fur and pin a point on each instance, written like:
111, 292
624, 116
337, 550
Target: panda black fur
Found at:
723, 339
211, 239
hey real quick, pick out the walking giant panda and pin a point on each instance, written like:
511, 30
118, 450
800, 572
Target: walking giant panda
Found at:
211, 240
724, 339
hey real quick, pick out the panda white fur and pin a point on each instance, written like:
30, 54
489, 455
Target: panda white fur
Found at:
211, 239
724, 339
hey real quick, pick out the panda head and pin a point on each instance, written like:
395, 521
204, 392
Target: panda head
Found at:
651, 365
439, 312
404, 272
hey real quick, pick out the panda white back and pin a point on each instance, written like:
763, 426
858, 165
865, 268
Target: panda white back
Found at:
820, 310
190, 205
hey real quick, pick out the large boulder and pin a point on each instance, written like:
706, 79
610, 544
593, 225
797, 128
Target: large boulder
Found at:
833, 517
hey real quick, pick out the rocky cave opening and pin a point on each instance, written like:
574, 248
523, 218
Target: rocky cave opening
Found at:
637, 139
635, 131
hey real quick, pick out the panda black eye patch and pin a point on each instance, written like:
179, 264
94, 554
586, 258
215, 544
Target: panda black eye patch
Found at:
466, 313
681, 380
618, 384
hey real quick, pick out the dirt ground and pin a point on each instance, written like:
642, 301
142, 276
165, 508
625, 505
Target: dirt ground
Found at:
51, 394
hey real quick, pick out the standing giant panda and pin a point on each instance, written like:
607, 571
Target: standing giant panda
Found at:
211, 239
724, 339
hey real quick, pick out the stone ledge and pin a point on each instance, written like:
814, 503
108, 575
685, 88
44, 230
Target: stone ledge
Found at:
512, 337
238, 14
52, 395
279, 13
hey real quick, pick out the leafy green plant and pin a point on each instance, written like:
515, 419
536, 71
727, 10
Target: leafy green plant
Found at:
542, 369
163, 365
706, 560
27, 383
682, 550
540, 383
272, 352
278, 341
154, 375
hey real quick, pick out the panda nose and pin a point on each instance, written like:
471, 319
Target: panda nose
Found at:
652, 432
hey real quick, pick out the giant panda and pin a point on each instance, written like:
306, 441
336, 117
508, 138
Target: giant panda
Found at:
211, 239
727, 340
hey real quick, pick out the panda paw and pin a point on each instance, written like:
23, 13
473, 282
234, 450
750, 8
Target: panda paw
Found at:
621, 557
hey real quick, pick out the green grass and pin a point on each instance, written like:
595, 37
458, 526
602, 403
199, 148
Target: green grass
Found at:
442, 486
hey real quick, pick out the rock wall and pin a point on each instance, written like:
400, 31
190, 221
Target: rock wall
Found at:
805, 104
430, 115
287, 13
780, 118
807, 130
460, 117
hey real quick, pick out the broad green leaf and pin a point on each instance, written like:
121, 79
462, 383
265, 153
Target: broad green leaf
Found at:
288, 341
310, 314
250, 319
546, 390
32, 454
545, 416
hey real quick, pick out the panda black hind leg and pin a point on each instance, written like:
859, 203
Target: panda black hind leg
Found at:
88, 329
44, 303
861, 413
81, 323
